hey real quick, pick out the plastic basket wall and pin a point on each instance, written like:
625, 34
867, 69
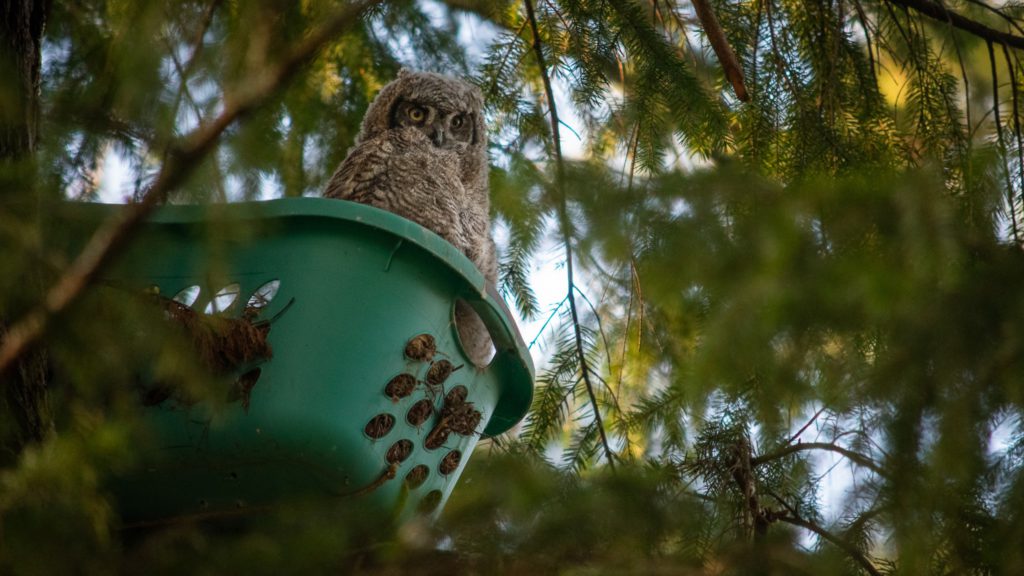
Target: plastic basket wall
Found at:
353, 285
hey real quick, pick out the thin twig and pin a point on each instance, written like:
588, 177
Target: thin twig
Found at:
197, 47
545, 325
778, 58
806, 426
1020, 150
756, 45
963, 75
112, 236
863, 19
625, 333
563, 213
640, 307
999, 129
684, 38
183, 92
720, 44
501, 65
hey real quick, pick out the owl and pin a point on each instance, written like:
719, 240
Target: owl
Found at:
421, 153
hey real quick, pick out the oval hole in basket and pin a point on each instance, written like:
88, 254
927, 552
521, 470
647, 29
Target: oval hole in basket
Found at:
430, 502
224, 299
420, 412
473, 337
399, 451
263, 295
379, 426
400, 386
417, 476
450, 462
187, 296
457, 394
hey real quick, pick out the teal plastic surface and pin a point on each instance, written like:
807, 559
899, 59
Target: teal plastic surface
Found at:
355, 284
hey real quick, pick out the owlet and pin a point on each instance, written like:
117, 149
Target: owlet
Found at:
421, 153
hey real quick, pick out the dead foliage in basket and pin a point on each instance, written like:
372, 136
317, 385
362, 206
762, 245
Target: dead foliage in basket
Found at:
223, 344
457, 415
421, 348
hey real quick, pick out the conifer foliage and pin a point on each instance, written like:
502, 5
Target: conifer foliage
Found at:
791, 333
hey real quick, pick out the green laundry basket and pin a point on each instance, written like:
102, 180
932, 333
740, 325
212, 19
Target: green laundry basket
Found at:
341, 410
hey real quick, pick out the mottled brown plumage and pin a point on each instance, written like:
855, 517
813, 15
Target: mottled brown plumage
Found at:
401, 171
421, 153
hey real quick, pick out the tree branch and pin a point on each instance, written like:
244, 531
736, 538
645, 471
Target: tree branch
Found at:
1009, 20
182, 159
938, 12
855, 457
850, 549
563, 216
719, 43
792, 516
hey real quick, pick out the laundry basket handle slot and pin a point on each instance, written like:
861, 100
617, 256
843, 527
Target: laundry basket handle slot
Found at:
511, 359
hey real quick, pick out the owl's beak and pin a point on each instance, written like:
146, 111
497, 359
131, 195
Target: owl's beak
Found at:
437, 135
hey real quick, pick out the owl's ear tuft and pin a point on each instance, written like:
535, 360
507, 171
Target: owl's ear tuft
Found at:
403, 72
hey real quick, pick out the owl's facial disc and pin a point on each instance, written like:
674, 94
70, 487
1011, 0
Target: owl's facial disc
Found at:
451, 130
445, 129
460, 126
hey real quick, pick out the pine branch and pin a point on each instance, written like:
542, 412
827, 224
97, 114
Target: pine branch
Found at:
550, 407
719, 43
600, 328
504, 58
182, 158
936, 11
792, 516
1009, 19
850, 549
793, 448
563, 214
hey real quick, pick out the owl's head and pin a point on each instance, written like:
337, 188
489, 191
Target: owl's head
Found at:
447, 127
447, 110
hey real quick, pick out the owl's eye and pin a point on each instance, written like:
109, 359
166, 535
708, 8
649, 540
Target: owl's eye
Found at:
458, 121
417, 114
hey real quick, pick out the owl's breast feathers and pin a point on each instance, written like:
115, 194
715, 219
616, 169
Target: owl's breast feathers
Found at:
401, 171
